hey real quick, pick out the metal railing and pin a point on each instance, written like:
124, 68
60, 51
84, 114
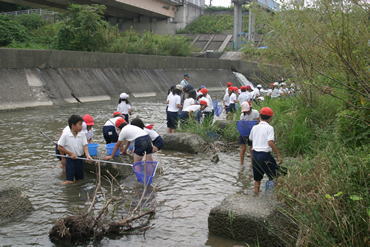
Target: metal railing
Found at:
30, 11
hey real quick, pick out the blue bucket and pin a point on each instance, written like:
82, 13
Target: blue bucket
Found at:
150, 167
109, 148
244, 127
93, 149
217, 108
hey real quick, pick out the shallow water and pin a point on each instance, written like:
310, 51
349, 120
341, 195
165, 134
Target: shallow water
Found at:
190, 185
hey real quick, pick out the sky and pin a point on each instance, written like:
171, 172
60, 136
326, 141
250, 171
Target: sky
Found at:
225, 3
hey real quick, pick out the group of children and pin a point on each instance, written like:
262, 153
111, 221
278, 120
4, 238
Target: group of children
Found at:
74, 140
182, 102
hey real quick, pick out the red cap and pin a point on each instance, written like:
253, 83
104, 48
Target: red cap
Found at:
149, 126
235, 89
203, 102
229, 84
204, 91
267, 111
119, 122
248, 87
116, 113
243, 87
88, 119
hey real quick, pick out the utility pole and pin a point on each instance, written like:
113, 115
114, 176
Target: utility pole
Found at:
251, 26
238, 22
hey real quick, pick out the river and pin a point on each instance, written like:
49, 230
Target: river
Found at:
190, 185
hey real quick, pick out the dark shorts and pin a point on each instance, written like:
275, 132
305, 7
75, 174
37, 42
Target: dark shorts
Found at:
172, 119
158, 142
143, 145
74, 169
184, 115
263, 163
110, 134
230, 108
245, 140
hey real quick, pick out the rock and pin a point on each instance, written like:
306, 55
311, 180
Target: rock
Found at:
184, 142
254, 220
13, 205
222, 123
116, 170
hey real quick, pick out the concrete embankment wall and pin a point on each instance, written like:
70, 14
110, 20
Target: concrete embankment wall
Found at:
46, 77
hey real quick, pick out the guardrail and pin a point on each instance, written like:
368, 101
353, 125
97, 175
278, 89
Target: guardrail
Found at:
30, 11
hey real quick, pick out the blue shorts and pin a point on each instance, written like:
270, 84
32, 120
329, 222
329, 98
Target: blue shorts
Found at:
172, 119
74, 169
263, 163
143, 144
158, 142
110, 134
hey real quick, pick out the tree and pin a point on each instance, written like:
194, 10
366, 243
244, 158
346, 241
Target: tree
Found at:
83, 28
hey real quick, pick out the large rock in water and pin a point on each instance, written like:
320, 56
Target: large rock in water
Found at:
184, 142
13, 205
254, 220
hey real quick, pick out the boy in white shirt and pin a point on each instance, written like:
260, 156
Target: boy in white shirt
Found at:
208, 111
157, 140
174, 105
74, 144
248, 114
262, 136
124, 106
187, 112
244, 96
131, 133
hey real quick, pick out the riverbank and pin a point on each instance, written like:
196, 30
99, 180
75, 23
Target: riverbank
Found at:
32, 78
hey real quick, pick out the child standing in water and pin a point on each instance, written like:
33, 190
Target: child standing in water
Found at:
131, 133
109, 129
154, 136
263, 142
74, 144
87, 127
124, 106
174, 105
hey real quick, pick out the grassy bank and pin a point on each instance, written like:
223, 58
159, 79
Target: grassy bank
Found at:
83, 28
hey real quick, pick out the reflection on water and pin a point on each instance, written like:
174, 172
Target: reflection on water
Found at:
189, 185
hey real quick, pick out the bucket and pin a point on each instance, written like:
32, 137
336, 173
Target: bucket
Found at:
244, 127
139, 168
93, 149
217, 108
109, 148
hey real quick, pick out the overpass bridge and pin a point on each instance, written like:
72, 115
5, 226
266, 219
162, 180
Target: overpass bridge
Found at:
160, 16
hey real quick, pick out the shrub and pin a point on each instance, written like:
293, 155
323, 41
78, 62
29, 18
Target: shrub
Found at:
83, 28
30, 22
11, 30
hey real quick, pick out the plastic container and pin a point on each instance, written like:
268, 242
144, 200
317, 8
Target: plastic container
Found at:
109, 148
269, 186
93, 149
244, 127
140, 167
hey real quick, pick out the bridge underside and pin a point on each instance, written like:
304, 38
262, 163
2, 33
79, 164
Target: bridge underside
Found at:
126, 9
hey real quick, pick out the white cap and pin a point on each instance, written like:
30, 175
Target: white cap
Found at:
123, 96
245, 106
283, 84
259, 85
276, 84
261, 98
180, 87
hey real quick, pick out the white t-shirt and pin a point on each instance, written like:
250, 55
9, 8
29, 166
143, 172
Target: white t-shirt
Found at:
275, 93
173, 101
244, 96
89, 133
188, 102
74, 144
232, 98
152, 133
209, 107
123, 107
260, 135
227, 99
111, 122
192, 108
131, 132
254, 115
255, 93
